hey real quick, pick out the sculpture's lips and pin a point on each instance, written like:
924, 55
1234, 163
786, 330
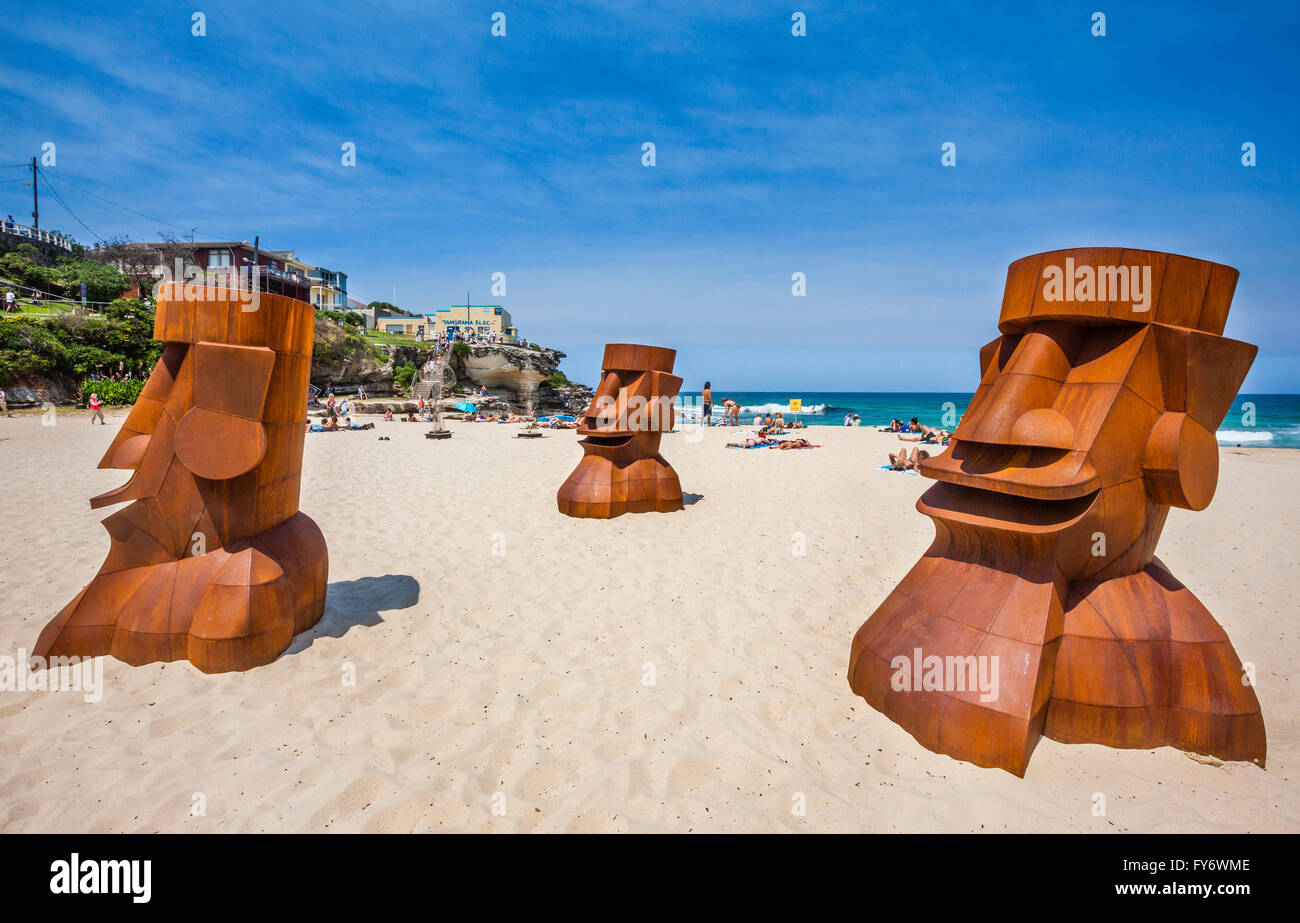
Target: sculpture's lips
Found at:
1003, 512
1033, 472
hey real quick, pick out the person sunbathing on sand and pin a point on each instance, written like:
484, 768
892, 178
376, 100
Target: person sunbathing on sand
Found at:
901, 461
928, 435
750, 442
794, 444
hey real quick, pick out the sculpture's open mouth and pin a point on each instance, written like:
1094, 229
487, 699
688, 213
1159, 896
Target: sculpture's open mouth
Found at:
1001, 511
612, 442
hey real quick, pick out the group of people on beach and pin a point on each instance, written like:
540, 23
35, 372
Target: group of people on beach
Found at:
914, 431
335, 423
763, 439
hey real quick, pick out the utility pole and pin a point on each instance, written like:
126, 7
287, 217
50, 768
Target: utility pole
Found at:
257, 262
36, 208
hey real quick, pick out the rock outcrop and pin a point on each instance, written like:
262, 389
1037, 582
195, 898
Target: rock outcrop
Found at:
515, 377
343, 359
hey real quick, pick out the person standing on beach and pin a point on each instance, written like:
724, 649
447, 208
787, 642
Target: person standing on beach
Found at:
4, 404
706, 413
95, 409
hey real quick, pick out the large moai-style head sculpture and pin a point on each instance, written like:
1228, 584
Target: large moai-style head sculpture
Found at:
621, 469
1096, 412
211, 562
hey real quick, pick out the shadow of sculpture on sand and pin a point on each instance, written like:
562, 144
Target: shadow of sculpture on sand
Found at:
350, 603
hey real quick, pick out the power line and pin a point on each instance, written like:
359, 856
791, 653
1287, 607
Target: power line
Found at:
58, 198
125, 208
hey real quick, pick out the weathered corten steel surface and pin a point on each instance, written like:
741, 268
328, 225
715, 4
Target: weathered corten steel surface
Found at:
211, 562
621, 469
1096, 412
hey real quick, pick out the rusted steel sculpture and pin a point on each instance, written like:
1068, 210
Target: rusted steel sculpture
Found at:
1041, 607
621, 469
212, 562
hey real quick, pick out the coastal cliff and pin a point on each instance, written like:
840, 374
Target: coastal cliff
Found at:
515, 376
50, 359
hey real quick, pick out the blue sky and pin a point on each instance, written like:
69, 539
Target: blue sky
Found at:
775, 154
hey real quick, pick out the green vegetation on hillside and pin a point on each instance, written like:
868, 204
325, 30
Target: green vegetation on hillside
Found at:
118, 341
332, 342
351, 318
23, 265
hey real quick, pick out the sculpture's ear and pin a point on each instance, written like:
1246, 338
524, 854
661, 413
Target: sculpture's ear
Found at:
222, 436
665, 384
1200, 374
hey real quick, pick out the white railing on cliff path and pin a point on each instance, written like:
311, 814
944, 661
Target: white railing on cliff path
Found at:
31, 233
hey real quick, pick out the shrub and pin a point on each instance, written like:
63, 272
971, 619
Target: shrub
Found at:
112, 392
558, 380
461, 349
350, 318
80, 347
403, 375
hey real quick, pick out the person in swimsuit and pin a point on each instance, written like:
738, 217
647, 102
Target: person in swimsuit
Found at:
901, 462
706, 414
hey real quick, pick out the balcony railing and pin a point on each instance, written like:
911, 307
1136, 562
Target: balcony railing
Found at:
240, 278
284, 275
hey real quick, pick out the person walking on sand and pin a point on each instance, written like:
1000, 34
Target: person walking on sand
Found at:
96, 409
706, 396
4, 405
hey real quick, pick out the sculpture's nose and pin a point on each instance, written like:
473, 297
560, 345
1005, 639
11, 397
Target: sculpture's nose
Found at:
1043, 427
1017, 407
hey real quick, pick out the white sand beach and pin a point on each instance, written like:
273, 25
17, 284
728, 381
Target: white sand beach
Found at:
501, 655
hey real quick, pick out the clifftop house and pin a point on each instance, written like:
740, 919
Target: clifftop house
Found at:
279, 272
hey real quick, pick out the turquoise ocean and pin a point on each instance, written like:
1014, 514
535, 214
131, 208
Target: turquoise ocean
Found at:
1269, 420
